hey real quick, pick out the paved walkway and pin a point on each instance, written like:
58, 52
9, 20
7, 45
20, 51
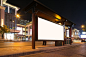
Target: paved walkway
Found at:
24, 50
77, 51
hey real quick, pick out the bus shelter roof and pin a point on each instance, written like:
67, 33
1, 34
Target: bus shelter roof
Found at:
46, 13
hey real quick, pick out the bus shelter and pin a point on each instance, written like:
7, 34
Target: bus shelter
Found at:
38, 10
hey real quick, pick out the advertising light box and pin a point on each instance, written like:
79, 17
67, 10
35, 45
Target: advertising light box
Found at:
9, 36
83, 32
67, 34
20, 29
83, 36
49, 31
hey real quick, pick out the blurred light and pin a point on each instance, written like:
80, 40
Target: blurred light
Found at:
56, 19
13, 21
57, 16
20, 29
83, 32
59, 23
9, 36
17, 16
83, 36
82, 26
67, 33
30, 31
2, 22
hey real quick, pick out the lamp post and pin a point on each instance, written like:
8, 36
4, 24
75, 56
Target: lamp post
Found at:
17, 16
14, 28
83, 27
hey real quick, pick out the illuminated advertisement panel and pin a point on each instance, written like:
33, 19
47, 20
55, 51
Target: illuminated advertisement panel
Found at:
83, 36
9, 36
20, 29
49, 31
83, 32
30, 31
67, 33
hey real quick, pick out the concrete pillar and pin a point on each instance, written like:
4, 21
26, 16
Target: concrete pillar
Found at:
1, 4
2, 19
2, 15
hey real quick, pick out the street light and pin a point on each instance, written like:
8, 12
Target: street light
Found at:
17, 16
82, 26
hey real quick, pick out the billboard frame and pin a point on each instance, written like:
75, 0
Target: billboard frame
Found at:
36, 39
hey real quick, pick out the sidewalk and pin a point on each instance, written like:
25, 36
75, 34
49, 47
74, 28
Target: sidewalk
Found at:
26, 50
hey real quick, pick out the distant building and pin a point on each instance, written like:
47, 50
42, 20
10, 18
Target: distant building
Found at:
9, 11
75, 33
8, 14
22, 22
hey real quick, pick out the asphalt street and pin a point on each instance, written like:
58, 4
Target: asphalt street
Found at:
20, 44
7, 48
79, 51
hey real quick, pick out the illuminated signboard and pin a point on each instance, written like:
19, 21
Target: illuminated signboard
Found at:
49, 31
67, 34
20, 29
83, 36
2, 22
9, 36
30, 31
83, 32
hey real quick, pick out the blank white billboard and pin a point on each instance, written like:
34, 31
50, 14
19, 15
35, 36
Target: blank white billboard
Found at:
83, 36
49, 31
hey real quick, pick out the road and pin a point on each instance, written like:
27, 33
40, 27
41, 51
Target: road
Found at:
79, 51
17, 44
11, 47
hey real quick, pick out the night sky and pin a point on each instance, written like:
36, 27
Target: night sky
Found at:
73, 10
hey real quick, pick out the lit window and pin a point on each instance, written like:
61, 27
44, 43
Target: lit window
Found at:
2, 22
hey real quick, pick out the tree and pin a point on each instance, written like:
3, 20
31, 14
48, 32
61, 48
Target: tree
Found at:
3, 30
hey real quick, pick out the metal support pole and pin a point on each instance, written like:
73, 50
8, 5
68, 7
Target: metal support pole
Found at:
44, 42
33, 28
64, 33
56, 43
